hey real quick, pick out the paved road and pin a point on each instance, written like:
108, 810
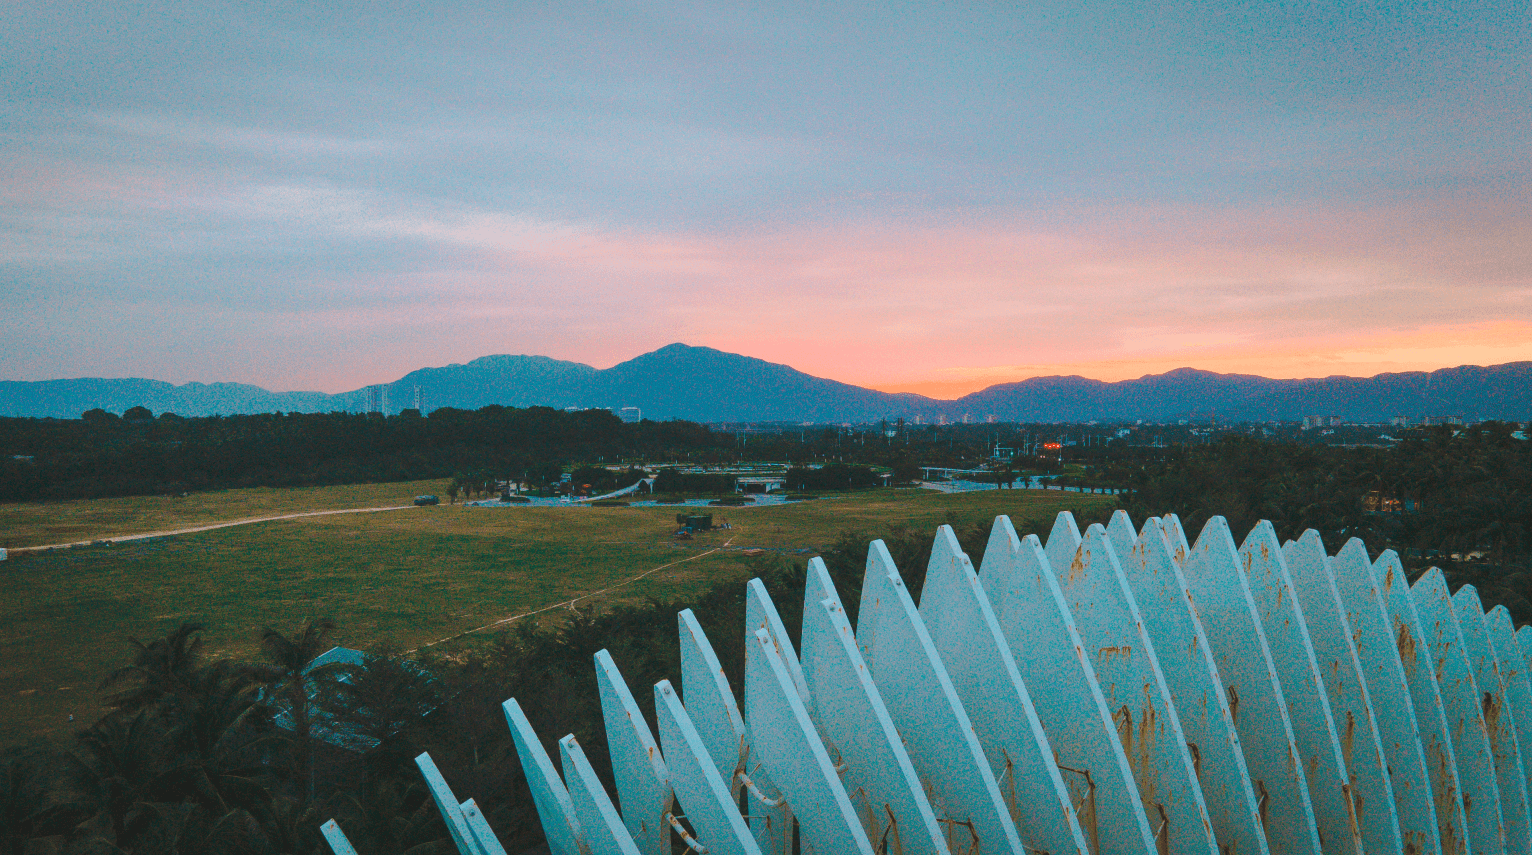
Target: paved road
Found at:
209, 527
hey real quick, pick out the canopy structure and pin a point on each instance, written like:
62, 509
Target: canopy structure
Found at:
1112, 692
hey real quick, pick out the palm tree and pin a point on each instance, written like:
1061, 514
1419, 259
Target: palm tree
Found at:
165, 667
219, 743
289, 678
37, 799
124, 755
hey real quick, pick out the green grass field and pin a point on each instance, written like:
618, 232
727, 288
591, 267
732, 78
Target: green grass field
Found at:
408, 577
40, 523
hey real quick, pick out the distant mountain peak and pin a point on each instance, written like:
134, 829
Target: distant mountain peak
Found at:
710, 385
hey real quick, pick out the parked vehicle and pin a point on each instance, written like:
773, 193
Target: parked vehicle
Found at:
427, 500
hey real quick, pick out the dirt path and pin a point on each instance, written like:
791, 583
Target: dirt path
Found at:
209, 527
569, 604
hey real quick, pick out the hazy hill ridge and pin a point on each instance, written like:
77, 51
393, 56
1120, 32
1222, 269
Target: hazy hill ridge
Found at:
707, 385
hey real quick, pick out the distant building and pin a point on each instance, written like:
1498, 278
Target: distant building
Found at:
631, 415
419, 407
377, 399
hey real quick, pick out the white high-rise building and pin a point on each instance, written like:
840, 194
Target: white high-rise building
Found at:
377, 399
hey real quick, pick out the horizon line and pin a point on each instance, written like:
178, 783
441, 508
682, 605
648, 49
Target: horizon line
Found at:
894, 388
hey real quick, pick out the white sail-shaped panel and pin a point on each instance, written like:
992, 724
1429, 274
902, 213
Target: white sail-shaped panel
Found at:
793, 753
1222, 600
1389, 690
1462, 705
1008, 713
1510, 771
1334, 646
1040, 631
963, 629
549, 795
1134, 688
599, 822
770, 818
849, 712
1186, 660
1513, 673
942, 740
1308, 706
710, 701
638, 768
702, 792
1457, 779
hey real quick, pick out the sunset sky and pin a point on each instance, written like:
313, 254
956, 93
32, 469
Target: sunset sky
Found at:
913, 197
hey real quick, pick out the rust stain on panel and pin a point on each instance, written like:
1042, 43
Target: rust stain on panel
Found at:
1104, 655
1492, 709
1405, 641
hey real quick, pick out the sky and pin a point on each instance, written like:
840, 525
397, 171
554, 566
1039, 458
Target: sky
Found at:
912, 197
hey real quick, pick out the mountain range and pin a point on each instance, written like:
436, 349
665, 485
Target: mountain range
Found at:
707, 385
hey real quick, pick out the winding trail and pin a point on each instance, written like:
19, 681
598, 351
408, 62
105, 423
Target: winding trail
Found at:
562, 604
569, 604
126, 538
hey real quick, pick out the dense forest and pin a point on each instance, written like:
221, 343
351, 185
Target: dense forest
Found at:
1458, 498
137, 454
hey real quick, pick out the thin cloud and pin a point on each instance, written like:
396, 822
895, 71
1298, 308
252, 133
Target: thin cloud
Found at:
939, 196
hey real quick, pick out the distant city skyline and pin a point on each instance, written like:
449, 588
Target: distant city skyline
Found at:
924, 199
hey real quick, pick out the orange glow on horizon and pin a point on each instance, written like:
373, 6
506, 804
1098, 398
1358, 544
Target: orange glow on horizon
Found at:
1425, 350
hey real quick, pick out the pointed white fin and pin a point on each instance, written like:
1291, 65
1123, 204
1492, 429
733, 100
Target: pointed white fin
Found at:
709, 700
1499, 722
1462, 705
791, 751
1399, 733
1222, 601
978, 660
1456, 780
925, 707
1133, 684
850, 714
1334, 646
704, 796
1186, 660
1308, 705
638, 767
560, 825
602, 827
336, 838
1039, 630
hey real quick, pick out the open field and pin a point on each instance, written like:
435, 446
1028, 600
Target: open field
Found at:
409, 577
37, 523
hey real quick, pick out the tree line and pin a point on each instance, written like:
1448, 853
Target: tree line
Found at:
1441, 492
138, 454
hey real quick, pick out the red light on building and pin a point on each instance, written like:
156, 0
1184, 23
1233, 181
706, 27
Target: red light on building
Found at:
1052, 446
